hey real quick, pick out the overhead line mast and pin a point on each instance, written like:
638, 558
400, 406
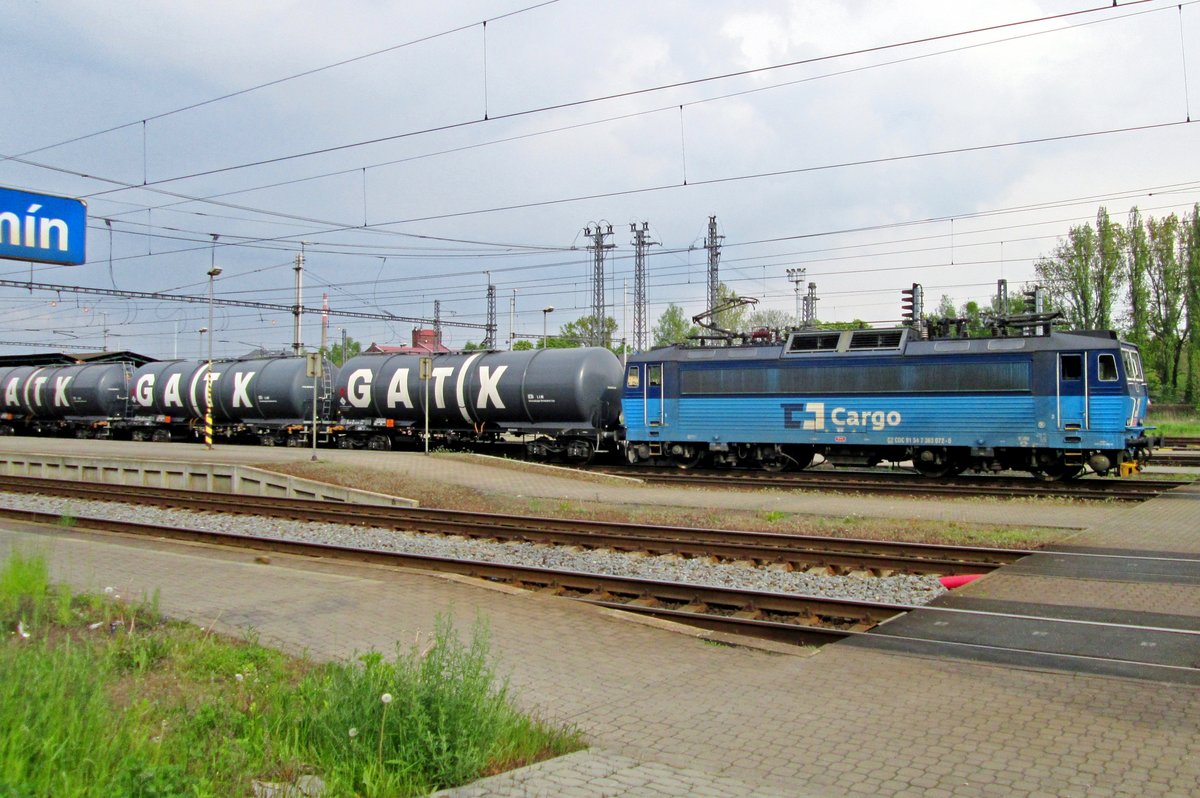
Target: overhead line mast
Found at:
598, 246
713, 245
640, 243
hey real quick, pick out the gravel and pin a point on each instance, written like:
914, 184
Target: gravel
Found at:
901, 589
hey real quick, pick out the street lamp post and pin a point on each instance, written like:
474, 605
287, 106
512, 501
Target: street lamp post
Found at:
208, 379
546, 311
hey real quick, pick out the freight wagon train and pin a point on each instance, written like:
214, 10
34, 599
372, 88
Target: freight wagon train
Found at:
1049, 404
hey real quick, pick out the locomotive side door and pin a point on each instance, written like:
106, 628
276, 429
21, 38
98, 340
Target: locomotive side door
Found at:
1072, 391
653, 394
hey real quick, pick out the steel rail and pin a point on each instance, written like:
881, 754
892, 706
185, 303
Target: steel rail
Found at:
906, 484
842, 555
778, 616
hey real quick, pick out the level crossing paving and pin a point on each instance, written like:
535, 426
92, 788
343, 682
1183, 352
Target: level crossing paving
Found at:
667, 713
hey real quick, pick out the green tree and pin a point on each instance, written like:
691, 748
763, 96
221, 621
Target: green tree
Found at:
1167, 282
1109, 268
732, 319
857, 324
584, 331
673, 327
1191, 265
336, 354
945, 308
1084, 274
1068, 275
1137, 264
770, 318
974, 314
524, 345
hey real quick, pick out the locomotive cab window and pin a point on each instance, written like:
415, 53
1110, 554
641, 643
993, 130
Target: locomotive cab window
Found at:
634, 377
1107, 368
1133, 365
654, 376
1071, 367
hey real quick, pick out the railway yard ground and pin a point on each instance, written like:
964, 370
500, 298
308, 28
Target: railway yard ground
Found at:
1075, 671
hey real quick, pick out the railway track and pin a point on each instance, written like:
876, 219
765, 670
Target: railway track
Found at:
839, 556
775, 616
909, 484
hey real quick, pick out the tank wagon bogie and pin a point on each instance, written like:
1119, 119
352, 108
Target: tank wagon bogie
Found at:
1050, 405
561, 402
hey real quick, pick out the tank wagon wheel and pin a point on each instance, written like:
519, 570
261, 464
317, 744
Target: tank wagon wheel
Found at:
294, 441
7, 429
379, 443
138, 435
580, 452
161, 436
345, 443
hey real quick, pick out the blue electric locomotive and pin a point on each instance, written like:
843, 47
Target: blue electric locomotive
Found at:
1048, 404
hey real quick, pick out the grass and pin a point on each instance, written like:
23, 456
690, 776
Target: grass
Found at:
1174, 422
103, 698
458, 497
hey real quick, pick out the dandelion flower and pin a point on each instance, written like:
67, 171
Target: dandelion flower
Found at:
353, 732
386, 698
239, 677
25, 636
108, 590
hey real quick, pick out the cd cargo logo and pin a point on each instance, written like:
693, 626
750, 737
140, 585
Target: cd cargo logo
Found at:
812, 415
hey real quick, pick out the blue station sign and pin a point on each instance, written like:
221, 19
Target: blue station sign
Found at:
42, 227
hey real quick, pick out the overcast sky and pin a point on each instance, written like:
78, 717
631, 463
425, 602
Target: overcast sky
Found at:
875, 144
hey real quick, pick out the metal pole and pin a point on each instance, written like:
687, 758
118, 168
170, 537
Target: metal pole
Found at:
316, 378
208, 378
546, 311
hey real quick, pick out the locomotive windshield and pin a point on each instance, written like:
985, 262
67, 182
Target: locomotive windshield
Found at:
1133, 365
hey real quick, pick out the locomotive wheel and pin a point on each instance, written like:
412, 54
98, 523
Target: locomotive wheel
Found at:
631, 455
379, 443
1058, 472
687, 457
935, 463
934, 469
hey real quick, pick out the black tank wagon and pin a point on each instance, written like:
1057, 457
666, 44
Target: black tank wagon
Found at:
561, 402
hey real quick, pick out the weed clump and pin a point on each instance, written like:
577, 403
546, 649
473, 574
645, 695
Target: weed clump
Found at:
101, 697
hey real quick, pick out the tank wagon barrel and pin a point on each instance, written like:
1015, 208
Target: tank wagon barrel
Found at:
84, 397
564, 397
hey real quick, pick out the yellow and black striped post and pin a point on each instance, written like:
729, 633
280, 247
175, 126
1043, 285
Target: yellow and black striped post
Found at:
208, 424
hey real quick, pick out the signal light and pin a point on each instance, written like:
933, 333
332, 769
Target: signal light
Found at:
910, 303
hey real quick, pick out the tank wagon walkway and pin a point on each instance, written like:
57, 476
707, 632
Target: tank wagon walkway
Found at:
668, 714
